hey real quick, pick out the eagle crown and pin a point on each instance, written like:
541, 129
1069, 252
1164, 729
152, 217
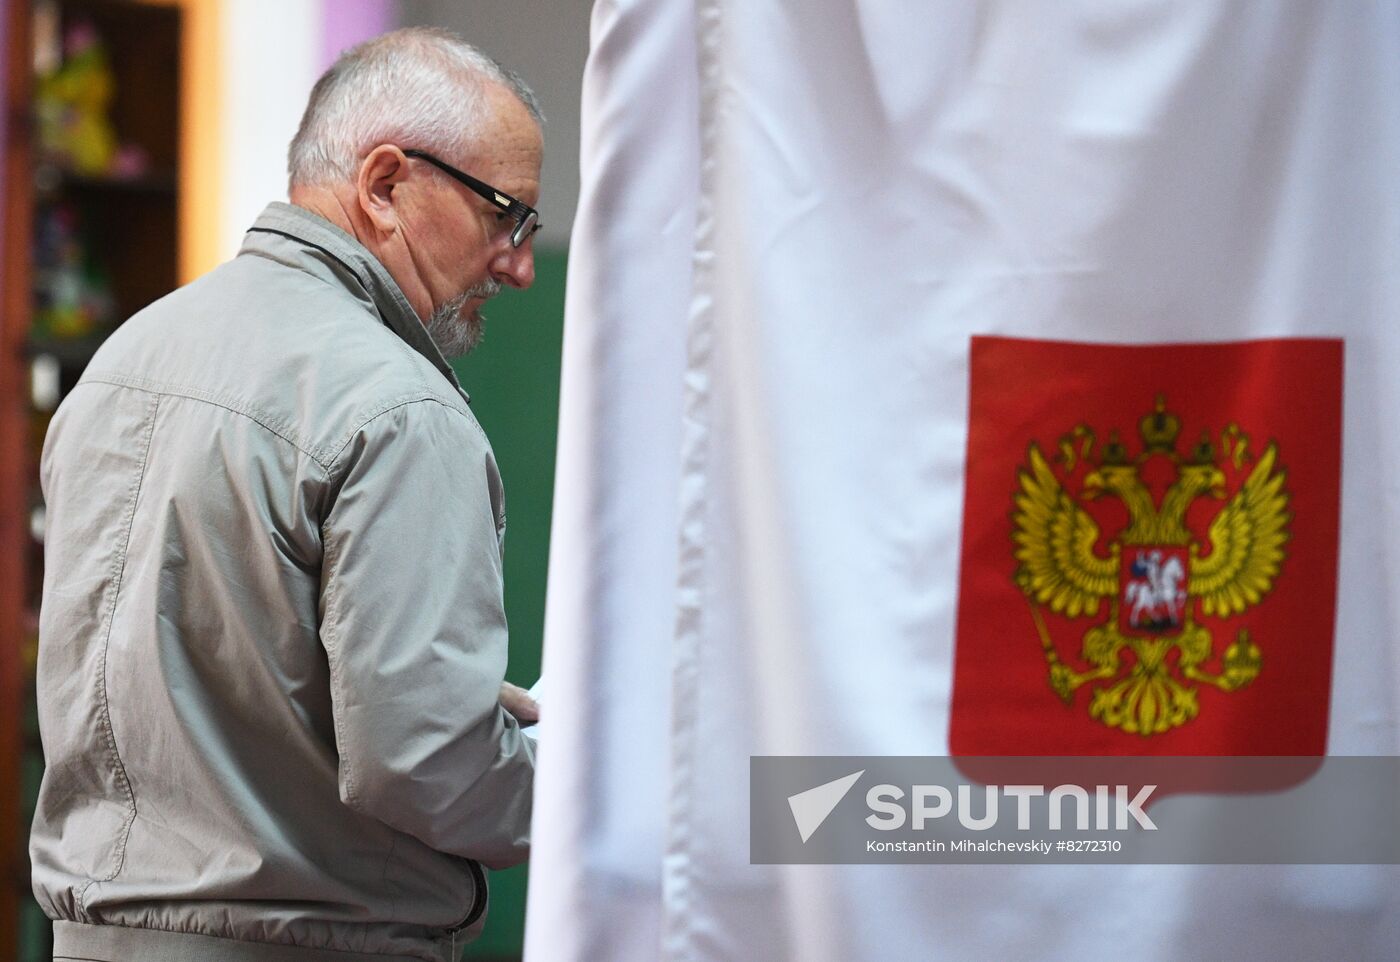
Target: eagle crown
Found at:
1150, 523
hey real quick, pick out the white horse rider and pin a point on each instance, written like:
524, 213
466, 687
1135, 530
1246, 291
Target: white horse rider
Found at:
1162, 587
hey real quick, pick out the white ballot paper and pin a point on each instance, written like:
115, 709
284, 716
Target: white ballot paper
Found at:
534, 730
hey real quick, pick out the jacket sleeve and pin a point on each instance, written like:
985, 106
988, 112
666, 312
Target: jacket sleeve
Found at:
414, 628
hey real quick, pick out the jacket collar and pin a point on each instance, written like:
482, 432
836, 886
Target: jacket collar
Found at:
358, 270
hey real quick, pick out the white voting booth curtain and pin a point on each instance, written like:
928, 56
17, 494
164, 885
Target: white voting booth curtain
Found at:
795, 219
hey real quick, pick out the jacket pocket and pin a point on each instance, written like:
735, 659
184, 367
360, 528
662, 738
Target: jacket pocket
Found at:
479, 897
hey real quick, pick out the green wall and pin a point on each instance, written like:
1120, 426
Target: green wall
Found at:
513, 380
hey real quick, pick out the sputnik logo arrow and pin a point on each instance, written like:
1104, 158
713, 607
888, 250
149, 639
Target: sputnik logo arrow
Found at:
810, 808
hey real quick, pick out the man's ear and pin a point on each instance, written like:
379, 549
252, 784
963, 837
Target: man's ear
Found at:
380, 172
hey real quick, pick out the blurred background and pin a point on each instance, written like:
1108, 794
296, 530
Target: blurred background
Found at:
141, 138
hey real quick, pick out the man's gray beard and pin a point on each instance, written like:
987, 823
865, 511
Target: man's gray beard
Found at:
454, 334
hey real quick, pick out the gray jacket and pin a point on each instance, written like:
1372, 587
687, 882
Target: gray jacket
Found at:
272, 636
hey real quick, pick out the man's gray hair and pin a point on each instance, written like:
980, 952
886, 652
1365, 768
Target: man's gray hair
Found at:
417, 87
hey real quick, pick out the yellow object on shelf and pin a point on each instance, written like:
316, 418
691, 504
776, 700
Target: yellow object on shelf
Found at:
72, 104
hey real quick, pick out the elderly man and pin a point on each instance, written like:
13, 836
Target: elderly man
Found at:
272, 643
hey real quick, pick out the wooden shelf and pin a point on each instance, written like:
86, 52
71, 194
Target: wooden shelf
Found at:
50, 181
15, 471
130, 228
71, 352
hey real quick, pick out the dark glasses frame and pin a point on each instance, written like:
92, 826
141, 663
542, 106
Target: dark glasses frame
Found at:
527, 219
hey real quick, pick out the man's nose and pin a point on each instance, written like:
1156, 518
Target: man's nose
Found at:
515, 265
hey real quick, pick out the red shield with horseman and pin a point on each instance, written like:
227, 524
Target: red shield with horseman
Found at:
1153, 587
1149, 556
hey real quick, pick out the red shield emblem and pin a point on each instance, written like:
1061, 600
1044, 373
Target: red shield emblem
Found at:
1152, 583
1149, 556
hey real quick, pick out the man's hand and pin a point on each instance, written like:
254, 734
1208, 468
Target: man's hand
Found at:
518, 702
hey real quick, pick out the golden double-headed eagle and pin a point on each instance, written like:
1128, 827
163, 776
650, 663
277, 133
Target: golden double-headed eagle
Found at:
1065, 566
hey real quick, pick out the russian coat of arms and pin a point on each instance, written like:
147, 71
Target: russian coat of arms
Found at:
1161, 583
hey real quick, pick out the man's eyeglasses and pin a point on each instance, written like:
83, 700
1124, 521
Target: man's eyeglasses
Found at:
527, 219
